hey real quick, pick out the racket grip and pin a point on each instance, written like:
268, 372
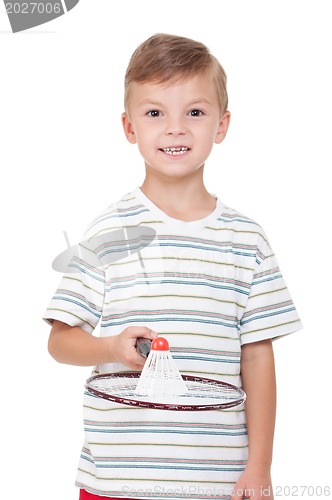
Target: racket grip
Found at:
143, 346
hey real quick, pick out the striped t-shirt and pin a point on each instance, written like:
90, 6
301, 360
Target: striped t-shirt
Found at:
209, 286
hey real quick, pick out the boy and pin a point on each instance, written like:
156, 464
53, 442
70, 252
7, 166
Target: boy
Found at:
210, 284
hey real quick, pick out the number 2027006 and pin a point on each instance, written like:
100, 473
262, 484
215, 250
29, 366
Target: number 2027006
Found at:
300, 491
33, 8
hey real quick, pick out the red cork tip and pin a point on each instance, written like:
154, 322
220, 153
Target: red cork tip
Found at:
160, 344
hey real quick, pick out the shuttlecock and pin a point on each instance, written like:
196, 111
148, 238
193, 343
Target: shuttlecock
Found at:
160, 375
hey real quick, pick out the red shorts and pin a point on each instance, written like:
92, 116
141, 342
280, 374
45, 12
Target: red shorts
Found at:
84, 495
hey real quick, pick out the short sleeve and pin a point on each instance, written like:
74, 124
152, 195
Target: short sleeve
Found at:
270, 312
79, 298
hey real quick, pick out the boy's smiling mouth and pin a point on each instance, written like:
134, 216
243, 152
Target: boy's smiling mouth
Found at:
175, 150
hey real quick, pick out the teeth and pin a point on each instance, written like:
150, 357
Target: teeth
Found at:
175, 151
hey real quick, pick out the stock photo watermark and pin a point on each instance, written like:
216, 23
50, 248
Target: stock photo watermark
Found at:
104, 249
198, 492
24, 15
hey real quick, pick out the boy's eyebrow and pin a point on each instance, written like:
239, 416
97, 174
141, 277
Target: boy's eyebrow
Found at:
202, 100
151, 102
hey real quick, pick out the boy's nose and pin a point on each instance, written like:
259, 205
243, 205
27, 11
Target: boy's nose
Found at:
175, 127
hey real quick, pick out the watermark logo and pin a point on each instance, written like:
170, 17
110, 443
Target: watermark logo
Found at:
24, 15
102, 250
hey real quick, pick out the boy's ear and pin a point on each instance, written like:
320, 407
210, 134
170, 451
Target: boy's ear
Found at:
128, 128
223, 127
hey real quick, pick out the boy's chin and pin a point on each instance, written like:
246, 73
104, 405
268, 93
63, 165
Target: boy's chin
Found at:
173, 169
169, 173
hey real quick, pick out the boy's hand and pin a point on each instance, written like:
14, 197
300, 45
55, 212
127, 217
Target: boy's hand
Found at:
74, 346
124, 346
253, 484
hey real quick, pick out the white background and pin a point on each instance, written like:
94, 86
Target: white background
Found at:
64, 158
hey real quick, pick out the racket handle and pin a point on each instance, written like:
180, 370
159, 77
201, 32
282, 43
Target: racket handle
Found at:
143, 346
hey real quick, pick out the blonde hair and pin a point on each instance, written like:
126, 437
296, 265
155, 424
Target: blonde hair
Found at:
162, 58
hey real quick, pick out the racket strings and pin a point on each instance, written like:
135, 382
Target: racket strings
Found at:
161, 385
194, 392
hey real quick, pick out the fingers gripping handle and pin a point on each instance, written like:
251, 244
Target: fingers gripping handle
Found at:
143, 346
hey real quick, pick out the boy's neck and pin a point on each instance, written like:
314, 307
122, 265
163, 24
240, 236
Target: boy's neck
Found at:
187, 202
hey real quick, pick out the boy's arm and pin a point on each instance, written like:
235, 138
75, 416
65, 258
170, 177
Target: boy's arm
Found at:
258, 378
73, 346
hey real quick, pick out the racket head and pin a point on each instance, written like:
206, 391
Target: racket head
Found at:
203, 393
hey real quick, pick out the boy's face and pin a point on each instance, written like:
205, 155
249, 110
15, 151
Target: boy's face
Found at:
174, 124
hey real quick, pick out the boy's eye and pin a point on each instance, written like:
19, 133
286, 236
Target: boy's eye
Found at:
153, 113
196, 112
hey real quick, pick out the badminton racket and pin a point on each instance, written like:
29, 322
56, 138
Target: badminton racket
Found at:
161, 386
143, 346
